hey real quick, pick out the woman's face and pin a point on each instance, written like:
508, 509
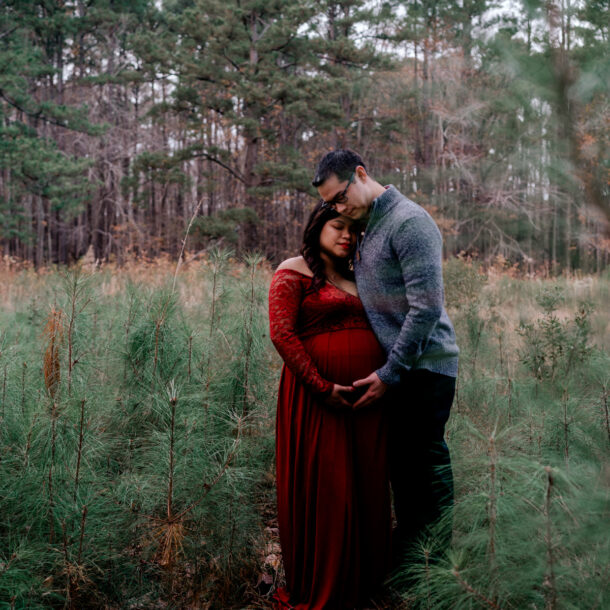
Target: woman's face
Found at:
338, 238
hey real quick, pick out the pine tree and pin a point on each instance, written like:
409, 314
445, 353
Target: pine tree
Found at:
39, 182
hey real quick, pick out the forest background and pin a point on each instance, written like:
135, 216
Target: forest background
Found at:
169, 140
121, 120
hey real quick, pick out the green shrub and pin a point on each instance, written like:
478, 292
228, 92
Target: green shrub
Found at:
135, 440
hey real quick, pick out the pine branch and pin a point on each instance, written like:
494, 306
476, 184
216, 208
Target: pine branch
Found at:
472, 591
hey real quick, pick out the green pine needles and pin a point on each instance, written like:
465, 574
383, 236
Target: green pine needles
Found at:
136, 433
529, 442
136, 445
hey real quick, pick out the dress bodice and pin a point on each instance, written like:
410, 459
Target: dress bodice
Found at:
297, 312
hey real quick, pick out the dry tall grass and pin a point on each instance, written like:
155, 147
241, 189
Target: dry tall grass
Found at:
53, 331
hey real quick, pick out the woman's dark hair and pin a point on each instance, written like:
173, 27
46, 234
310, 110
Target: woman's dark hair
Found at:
310, 250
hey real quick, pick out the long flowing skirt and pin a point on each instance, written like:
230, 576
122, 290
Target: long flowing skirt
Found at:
332, 481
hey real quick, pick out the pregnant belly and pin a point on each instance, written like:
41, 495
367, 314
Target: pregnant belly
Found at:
342, 356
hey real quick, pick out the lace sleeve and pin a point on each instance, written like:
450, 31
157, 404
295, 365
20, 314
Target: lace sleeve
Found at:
285, 297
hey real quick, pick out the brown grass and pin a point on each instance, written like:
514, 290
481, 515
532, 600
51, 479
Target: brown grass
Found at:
54, 331
169, 536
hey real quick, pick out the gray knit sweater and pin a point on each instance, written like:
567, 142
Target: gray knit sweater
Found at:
400, 282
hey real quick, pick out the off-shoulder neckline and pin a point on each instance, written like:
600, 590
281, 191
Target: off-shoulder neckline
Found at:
355, 296
294, 271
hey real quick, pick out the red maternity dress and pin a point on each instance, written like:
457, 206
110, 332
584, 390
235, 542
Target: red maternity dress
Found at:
332, 473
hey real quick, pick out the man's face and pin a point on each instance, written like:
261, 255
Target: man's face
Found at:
352, 196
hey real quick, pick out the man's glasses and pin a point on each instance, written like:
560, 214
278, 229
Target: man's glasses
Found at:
339, 197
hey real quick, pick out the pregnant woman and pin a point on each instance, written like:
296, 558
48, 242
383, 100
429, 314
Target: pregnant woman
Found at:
332, 473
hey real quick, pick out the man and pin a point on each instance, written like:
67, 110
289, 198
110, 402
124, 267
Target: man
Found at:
399, 277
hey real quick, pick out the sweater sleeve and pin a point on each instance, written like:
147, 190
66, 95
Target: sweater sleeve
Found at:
418, 246
285, 296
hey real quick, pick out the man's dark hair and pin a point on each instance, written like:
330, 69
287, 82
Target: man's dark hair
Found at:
339, 162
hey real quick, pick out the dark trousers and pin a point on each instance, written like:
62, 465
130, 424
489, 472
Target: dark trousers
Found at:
420, 466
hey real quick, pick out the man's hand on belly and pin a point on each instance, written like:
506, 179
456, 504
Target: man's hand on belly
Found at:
376, 389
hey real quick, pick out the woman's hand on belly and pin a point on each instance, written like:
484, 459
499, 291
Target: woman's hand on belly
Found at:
336, 398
